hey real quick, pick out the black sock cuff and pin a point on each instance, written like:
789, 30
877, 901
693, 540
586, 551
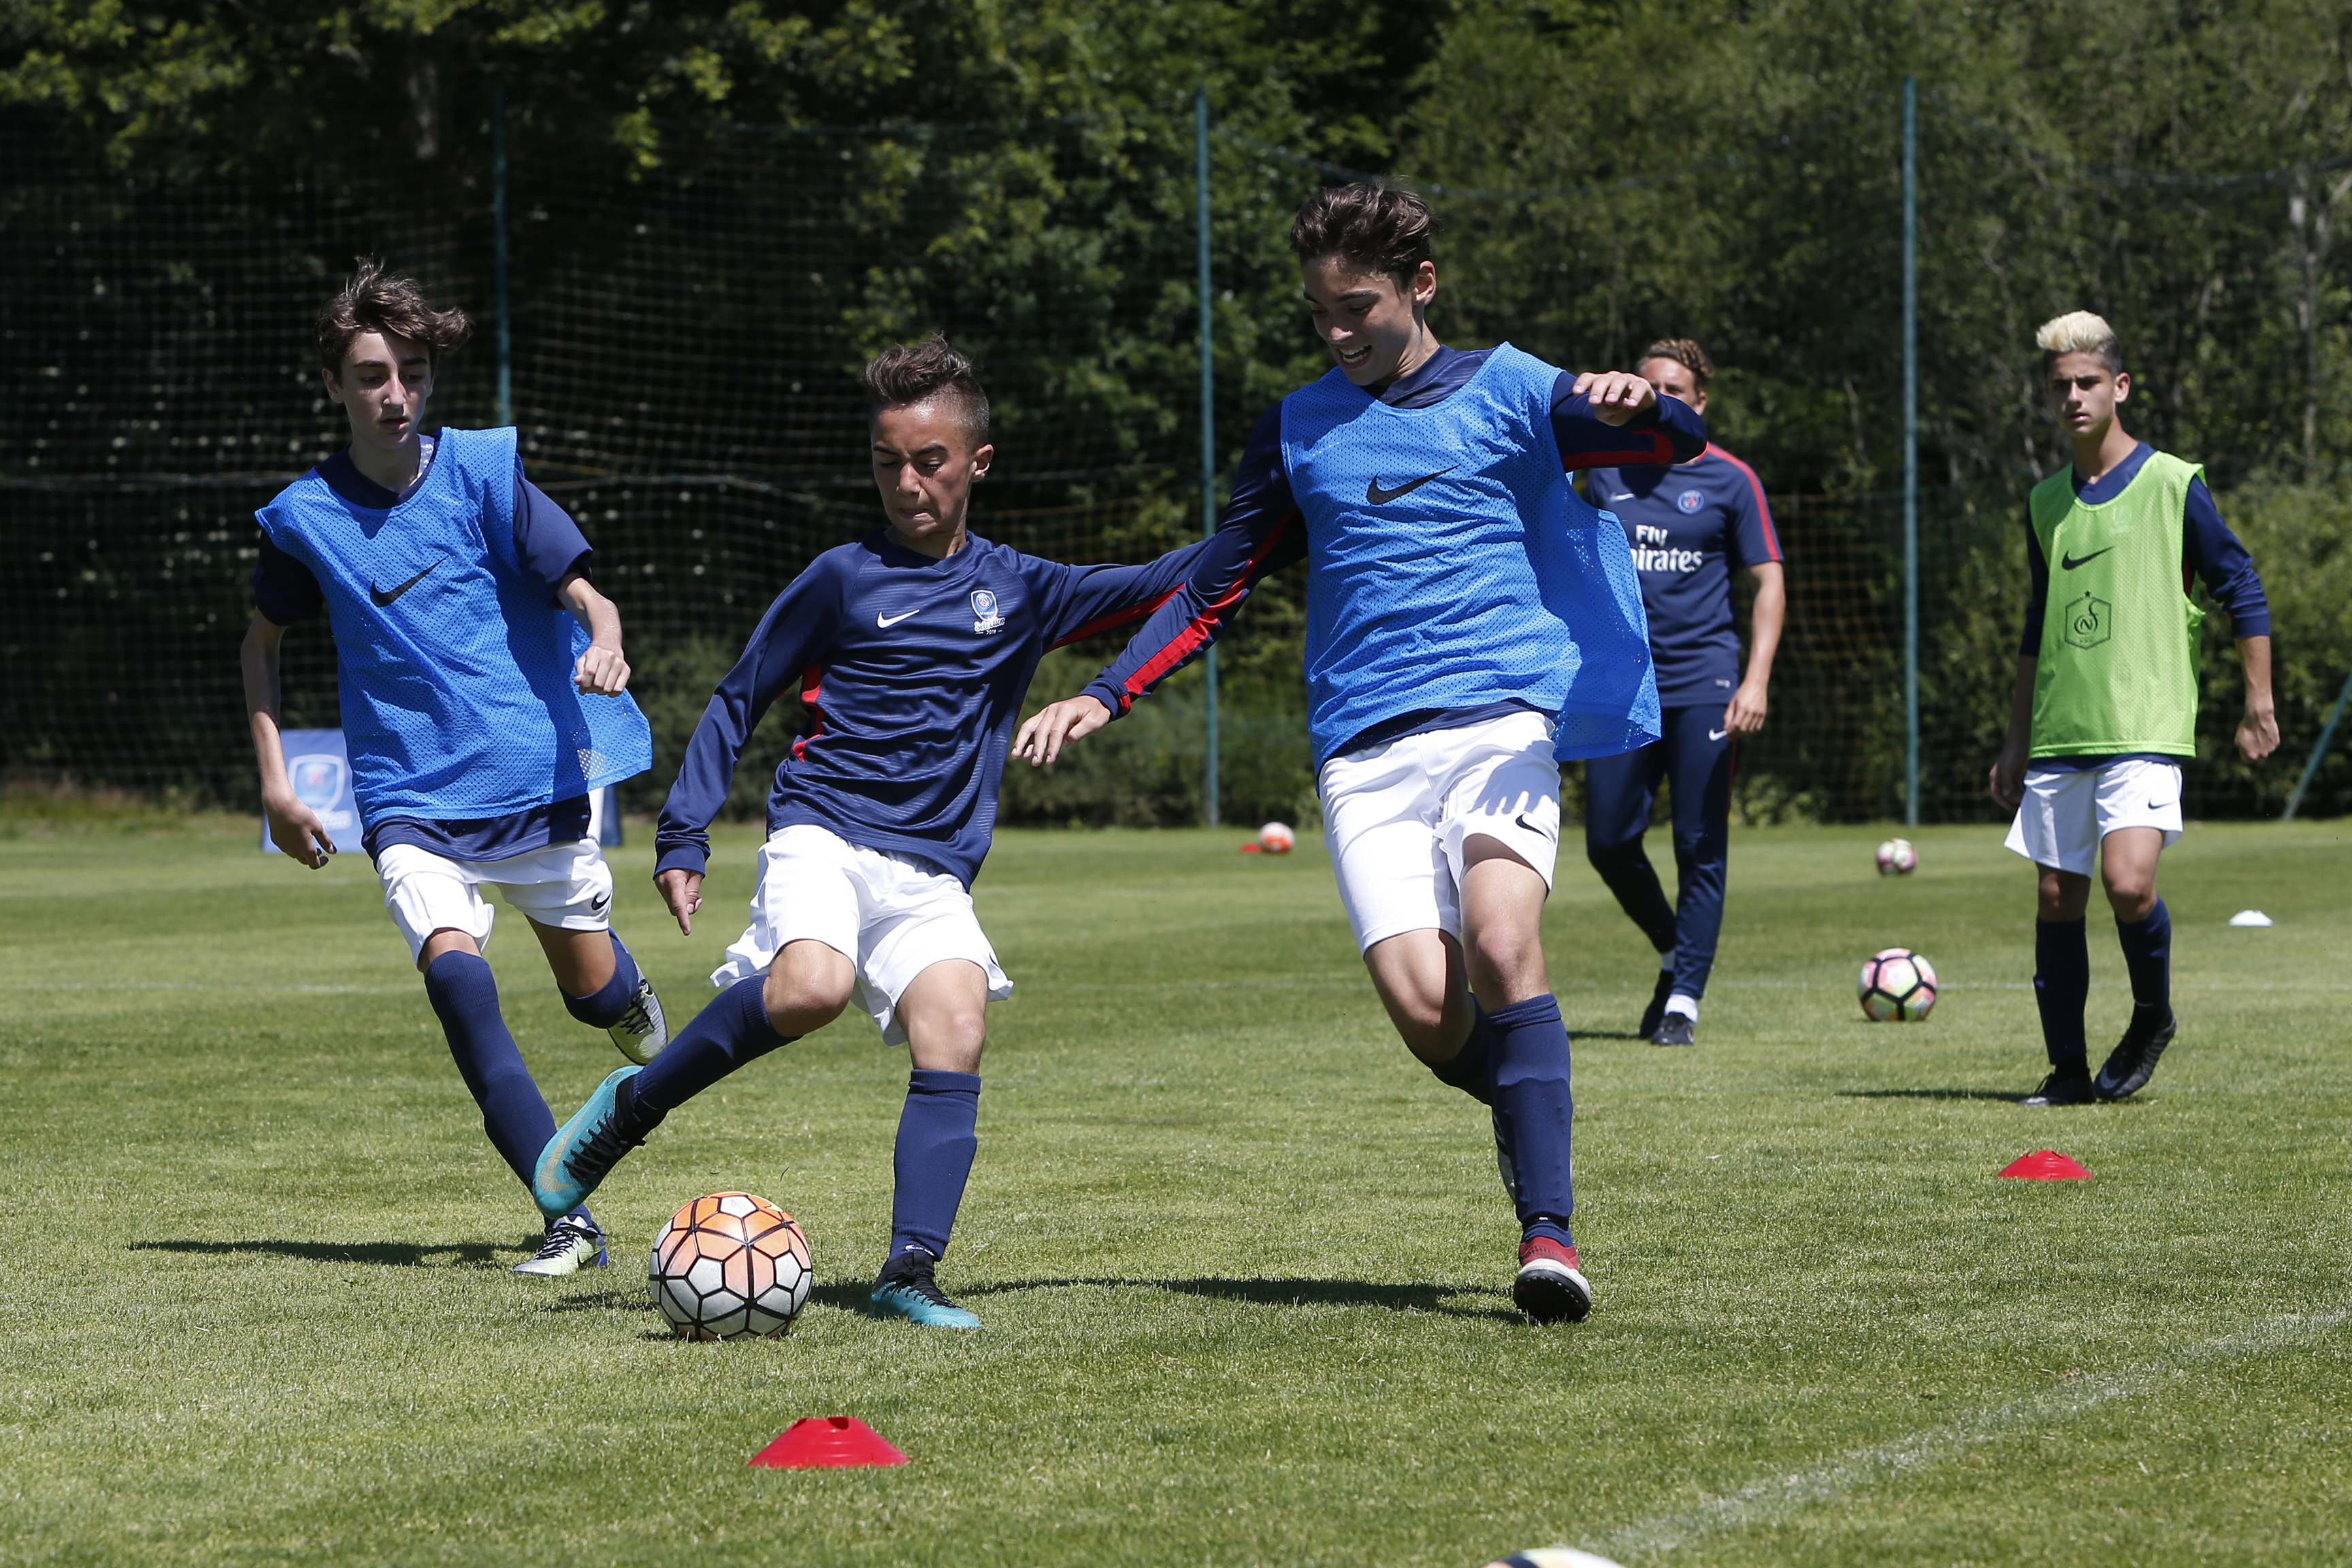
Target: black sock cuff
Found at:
603, 1007
1534, 1010
936, 1080
459, 977
749, 999
1471, 1070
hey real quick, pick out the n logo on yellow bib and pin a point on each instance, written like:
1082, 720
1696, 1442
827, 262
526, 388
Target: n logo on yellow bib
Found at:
2117, 665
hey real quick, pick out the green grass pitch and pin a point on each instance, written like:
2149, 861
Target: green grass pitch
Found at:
1243, 1266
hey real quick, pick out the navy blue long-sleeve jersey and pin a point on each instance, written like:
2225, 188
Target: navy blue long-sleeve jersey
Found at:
910, 672
1262, 529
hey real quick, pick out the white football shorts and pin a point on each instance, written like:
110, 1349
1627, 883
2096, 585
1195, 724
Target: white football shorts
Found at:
2065, 815
891, 916
1395, 817
565, 884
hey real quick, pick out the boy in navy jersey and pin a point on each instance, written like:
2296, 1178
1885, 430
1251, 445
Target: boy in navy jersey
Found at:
1470, 623
483, 698
1690, 526
910, 650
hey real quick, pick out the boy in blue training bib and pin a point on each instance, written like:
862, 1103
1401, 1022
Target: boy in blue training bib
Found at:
484, 698
1471, 623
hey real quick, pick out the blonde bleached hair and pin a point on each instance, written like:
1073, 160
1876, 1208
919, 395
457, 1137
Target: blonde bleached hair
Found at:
2079, 333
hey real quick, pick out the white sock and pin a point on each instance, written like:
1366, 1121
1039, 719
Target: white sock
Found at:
1687, 1006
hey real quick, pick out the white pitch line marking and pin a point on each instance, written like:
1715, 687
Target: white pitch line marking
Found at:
1776, 1496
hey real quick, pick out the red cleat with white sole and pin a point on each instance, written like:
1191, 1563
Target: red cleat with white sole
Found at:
1550, 1287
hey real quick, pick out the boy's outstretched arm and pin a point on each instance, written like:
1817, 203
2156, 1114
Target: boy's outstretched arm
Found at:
602, 671
1614, 420
1261, 534
294, 827
783, 646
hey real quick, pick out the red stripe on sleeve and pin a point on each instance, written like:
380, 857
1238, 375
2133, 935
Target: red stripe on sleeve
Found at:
1196, 630
812, 688
1117, 619
1755, 486
1660, 452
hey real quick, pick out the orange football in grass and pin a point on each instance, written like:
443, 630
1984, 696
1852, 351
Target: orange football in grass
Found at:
729, 1266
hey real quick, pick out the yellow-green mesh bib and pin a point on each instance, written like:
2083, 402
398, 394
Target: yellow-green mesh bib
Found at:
2117, 670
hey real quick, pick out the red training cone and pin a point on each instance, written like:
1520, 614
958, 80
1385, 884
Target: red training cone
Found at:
2045, 1165
828, 1442
1253, 847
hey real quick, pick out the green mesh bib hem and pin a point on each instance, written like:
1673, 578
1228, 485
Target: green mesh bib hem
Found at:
2117, 666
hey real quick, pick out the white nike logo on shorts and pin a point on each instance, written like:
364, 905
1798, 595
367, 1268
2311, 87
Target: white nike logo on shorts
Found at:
1717, 734
887, 621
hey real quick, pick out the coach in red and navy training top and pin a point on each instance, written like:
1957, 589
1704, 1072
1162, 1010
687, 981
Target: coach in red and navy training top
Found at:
1690, 527
1263, 530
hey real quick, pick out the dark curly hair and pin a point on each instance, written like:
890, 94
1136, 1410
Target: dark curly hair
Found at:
375, 299
907, 374
1683, 353
1372, 227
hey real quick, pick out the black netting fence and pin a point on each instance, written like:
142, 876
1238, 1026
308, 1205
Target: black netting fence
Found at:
683, 371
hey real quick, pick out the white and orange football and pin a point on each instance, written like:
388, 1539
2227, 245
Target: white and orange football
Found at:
730, 1265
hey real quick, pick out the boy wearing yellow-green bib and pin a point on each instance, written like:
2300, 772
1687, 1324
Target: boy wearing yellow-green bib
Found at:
2105, 701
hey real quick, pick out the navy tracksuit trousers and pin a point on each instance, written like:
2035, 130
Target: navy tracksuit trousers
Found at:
1694, 756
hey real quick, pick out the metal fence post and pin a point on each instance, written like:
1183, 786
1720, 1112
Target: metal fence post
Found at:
1208, 427
498, 223
1910, 451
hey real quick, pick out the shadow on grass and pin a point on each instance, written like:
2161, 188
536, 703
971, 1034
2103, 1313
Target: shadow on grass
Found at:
1436, 1299
854, 1297
1607, 1035
2008, 1096
380, 1254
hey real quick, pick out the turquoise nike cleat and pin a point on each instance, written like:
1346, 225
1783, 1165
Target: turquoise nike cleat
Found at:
584, 1148
906, 1289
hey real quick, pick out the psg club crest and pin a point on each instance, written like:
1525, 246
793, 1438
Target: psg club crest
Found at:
1688, 502
984, 615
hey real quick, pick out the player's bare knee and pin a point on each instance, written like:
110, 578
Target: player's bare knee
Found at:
2131, 896
2062, 895
799, 1003
951, 1042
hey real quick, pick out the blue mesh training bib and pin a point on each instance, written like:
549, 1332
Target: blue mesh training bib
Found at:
1450, 565
456, 670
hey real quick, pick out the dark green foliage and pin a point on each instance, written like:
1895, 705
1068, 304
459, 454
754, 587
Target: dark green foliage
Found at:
692, 293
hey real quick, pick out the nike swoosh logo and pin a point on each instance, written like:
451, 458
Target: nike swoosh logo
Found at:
383, 597
1623, 495
2070, 562
887, 621
1522, 820
1717, 734
1378, 497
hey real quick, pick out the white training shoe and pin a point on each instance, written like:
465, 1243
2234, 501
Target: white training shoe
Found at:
573, 1244
642, 1031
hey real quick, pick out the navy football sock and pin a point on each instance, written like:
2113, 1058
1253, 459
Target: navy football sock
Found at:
466, 997
1534, 1109
724, 1035
937, 1139
602, 1008
2148, 953
1471, 1069
2062, 984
